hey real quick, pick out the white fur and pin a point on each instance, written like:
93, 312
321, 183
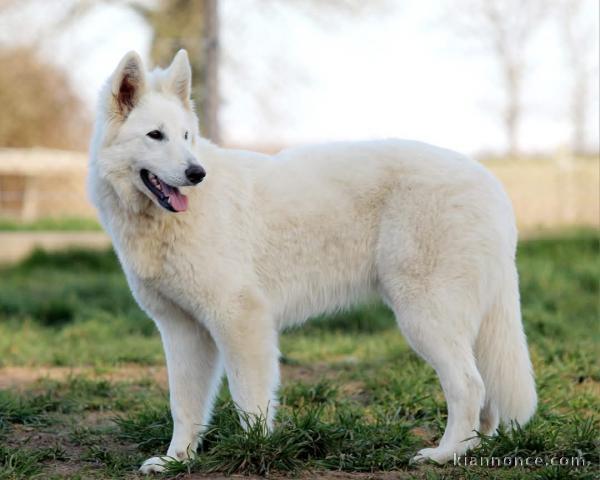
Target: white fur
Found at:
269, 241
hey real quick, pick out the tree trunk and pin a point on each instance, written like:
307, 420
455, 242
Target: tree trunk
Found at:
578, 113
512, 112
209, 108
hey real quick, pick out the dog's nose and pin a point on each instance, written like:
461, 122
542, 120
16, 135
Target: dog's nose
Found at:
195, 174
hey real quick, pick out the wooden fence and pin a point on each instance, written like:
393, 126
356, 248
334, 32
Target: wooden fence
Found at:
548, 193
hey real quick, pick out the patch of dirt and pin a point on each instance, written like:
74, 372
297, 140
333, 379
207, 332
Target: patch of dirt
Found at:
424, 434
358, 475
18, 245
355, 390
326, 475
21, 377
33, 437
308, 373
71, 453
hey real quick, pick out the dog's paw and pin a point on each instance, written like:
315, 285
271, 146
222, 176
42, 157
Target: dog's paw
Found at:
154, 465
436, 455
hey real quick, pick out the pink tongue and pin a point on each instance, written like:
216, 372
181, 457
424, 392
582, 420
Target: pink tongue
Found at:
178, 200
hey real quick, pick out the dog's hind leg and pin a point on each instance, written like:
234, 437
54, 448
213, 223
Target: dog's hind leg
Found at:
194, 370
489, 418
435, 326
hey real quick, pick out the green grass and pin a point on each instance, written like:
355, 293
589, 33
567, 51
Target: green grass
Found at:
62, 224
17, 463
354, 398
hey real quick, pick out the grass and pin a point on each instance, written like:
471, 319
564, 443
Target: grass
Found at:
61, 224
21, 463
354, 398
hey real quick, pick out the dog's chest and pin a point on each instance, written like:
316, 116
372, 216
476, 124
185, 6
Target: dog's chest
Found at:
183, 276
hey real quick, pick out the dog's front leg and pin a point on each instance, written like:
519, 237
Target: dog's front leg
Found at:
194, 370
249, 346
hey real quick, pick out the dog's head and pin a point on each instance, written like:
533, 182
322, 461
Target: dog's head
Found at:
145, 134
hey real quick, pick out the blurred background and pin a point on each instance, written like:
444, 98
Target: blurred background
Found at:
513, 83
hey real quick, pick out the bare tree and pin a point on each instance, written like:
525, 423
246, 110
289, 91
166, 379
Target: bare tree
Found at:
579, 38
40, 107
193, 25
176, 24
503, 28
210, 97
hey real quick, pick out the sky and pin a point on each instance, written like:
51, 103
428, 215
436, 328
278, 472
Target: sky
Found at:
291, 77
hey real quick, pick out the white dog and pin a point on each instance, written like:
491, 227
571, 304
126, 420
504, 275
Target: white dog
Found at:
265, 242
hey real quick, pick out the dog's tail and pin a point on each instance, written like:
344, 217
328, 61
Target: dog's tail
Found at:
503, 358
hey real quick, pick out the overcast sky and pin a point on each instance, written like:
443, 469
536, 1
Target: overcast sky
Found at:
290, 78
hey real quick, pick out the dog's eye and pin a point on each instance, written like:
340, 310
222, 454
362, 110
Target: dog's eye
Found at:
156, 135
185, 136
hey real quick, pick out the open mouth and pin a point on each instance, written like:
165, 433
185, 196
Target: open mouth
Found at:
168, 196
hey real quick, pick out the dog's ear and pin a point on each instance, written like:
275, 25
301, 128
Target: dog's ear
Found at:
128, 83
179, 78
